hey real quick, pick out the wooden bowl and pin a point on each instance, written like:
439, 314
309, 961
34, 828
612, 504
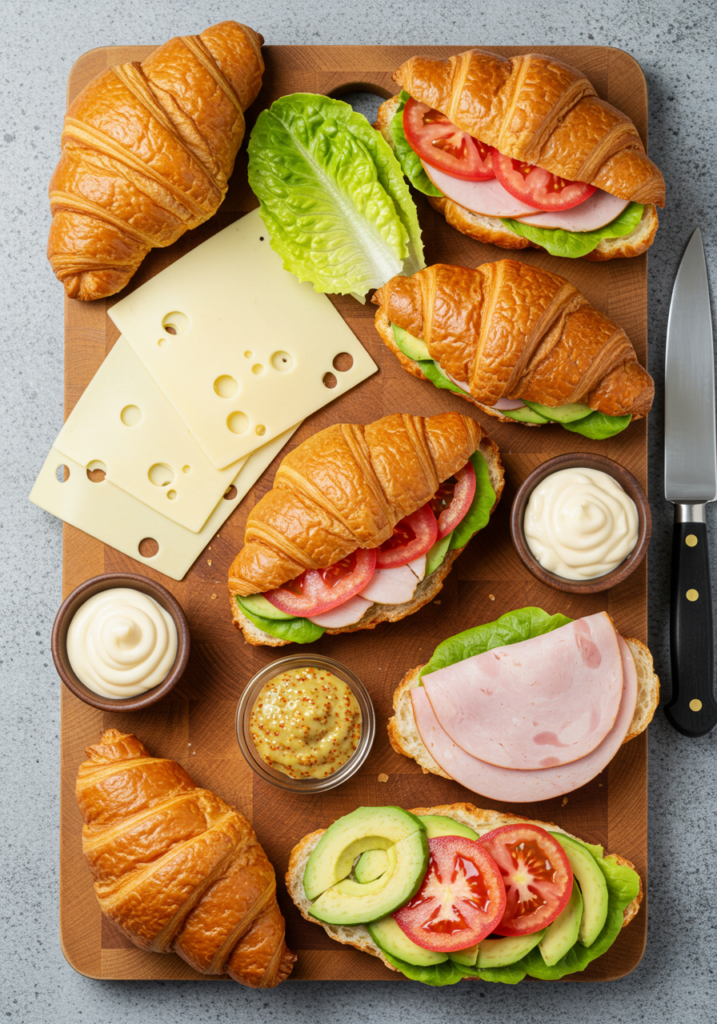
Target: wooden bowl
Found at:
631, 487
84, 592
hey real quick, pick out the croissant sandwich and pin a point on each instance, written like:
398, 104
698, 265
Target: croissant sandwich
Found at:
147, 151
362, 526
451, 892
520, 343
462, 715
521, 152
175, 868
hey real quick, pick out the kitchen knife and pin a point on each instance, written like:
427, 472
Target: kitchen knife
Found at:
690, 482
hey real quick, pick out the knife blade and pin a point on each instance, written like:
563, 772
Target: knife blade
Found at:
690, 483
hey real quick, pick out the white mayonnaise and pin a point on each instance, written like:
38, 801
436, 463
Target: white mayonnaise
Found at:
579, 523
121, 643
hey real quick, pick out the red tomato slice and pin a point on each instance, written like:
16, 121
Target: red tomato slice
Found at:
442, 145
319, 590
453, 498
461, 899
538, 187
537, 876
412, 537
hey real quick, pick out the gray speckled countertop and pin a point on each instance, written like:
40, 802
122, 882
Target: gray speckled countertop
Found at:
676, 44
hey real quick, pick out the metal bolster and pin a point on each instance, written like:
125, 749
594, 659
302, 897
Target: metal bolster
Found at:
689, 513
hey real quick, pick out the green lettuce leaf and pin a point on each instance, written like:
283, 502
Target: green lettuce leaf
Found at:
478, 514
431, 369
437, 975
409, 160
577, 243
509, 975
297, 631
333, 197
598, 426
522, 624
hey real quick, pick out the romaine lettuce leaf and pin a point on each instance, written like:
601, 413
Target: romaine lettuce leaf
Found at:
296, 631
409, 160
598, 426
478, 514
437, 975
333, 197
577, 243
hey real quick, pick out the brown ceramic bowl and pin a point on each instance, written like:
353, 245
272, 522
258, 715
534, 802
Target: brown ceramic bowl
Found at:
631, 487
84, 592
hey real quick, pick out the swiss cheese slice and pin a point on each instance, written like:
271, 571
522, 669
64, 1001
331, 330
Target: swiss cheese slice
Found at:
124, 425
116, 518
240, 348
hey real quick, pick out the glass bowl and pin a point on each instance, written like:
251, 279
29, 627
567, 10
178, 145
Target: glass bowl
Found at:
276, 778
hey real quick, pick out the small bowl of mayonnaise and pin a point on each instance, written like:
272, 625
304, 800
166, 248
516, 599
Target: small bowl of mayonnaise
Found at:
581, 523
120, 642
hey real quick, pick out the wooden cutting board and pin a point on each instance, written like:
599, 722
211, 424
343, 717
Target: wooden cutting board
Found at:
195, 724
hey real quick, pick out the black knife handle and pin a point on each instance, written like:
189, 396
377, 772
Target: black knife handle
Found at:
692, 709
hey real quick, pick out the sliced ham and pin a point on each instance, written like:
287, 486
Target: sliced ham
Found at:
594, 213
486, 197
418, 566
535, 704
391, 586
458, 383
345, 615
508, 403
514, 786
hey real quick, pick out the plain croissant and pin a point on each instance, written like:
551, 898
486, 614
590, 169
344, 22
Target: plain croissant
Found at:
509, 330
176, 868
147, 151
346, 488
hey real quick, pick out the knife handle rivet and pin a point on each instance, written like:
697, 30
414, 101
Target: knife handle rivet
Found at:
691, 540
695, 705
692, 595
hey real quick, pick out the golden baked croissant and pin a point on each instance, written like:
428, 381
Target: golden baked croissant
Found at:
147, 151
542, 111
345, 489
175, 868
511, 331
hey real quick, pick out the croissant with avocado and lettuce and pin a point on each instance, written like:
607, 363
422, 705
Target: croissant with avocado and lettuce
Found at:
362, 526
452, 892
520, 343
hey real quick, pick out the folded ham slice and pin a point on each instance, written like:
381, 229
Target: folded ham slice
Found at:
535, 704
513, 786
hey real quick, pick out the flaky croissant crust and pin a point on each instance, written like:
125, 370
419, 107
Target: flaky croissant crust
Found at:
176, 868
147, 151
510, 330
538, 109
346, 488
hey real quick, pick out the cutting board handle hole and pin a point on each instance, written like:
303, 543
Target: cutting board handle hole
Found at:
364, 97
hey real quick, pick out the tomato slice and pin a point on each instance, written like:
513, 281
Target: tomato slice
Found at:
453, 498
461, 899
537, 876
442, 145
319, 590
538, 187
412, 537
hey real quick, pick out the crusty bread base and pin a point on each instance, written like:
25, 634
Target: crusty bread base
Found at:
493, 231
481, 821
425, 592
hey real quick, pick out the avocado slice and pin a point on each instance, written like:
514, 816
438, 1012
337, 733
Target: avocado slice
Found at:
371, 865
257, 604
562, 934
467, 957
561, 413
507, 950
391, 939
414, 348
440, 825
524, 415
437, 553
593, 888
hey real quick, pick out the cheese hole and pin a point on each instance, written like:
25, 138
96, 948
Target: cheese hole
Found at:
261, 430
231, 493
171, 495
186, 469
96, 471
248, 355
330, 380
225, 386
131, 415
257, 368
282, 361
148, 547
62, 473
163, 342
238, 423
343, 362
160, 474
175, 323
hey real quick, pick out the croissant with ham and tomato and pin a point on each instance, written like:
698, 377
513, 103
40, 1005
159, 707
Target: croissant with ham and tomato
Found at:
507, 334
177, 869
362, 526
537, 125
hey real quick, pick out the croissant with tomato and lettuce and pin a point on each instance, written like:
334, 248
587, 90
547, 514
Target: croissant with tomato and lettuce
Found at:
521, 151
362, 526
520, 343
